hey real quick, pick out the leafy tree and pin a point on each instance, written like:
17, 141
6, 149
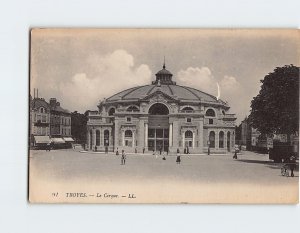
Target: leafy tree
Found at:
276, 108
79, 126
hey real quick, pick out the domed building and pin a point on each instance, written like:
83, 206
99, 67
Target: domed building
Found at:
162, 116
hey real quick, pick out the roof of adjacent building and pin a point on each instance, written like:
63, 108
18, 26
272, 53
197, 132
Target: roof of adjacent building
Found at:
59, 109
39, 102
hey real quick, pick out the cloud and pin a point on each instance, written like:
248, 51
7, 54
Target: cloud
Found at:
230, 89
104, 76
199, 78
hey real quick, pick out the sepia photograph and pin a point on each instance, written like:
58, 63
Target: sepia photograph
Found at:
164, 116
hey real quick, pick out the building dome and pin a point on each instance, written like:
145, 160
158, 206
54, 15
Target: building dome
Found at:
164, 84
164, 71
162, 116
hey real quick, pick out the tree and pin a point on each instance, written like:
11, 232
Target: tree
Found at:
275, 110
79, 126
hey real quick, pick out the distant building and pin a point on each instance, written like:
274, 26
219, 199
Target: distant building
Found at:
60, 120
49, 123
39, 121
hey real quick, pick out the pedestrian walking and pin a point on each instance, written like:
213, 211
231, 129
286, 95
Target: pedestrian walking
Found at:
178, 159
143, 150
235, 155
160, 150
48, 147
117, 152
135, 150
164, 157
123, 158
292, 164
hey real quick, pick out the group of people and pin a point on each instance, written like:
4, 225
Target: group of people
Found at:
123, 156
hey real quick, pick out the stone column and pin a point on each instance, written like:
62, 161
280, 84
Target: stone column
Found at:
201, 134
88, 139
133, 138
123, 138
225, 140
193, 143
146, 135
182, 139
170, 135
217, 139
94, 138
101, 137
116, 139
176, 135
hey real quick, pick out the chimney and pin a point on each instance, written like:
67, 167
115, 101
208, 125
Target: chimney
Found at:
33, 93
52, 102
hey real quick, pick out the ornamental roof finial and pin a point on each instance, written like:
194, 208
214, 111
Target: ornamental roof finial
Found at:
164, 66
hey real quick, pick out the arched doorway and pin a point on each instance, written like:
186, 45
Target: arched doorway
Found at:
212, 139
128, 138
158, 131
106, 137
188, 136
97, 138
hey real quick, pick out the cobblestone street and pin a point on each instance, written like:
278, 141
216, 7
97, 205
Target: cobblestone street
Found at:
251, 175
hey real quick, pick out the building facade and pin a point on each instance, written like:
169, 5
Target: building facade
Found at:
60, 120
161, 116
39, 118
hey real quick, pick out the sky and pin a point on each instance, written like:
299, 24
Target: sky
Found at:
81, 67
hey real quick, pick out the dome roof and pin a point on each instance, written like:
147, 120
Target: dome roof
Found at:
177, 92
164, 71
164, 84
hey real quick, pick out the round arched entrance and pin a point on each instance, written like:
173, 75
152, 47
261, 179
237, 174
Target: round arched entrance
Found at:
158, 132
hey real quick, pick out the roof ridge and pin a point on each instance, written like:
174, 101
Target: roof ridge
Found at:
125, 90
204, 93
170, 89
148, 92
186, 88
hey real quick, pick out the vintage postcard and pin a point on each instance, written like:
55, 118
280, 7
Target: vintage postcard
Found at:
164, 116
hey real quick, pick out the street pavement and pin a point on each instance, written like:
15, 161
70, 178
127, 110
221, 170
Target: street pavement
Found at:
199, 175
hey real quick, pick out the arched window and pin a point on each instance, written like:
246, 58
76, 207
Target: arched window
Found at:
188, 109
128, 134
42, 110
210, 113
221, 139
158, 109
212, 139
188, 134
97, 138
111, 111
132, 109
128, 138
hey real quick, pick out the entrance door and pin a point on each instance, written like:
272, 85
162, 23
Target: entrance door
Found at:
158, 139
159, 144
